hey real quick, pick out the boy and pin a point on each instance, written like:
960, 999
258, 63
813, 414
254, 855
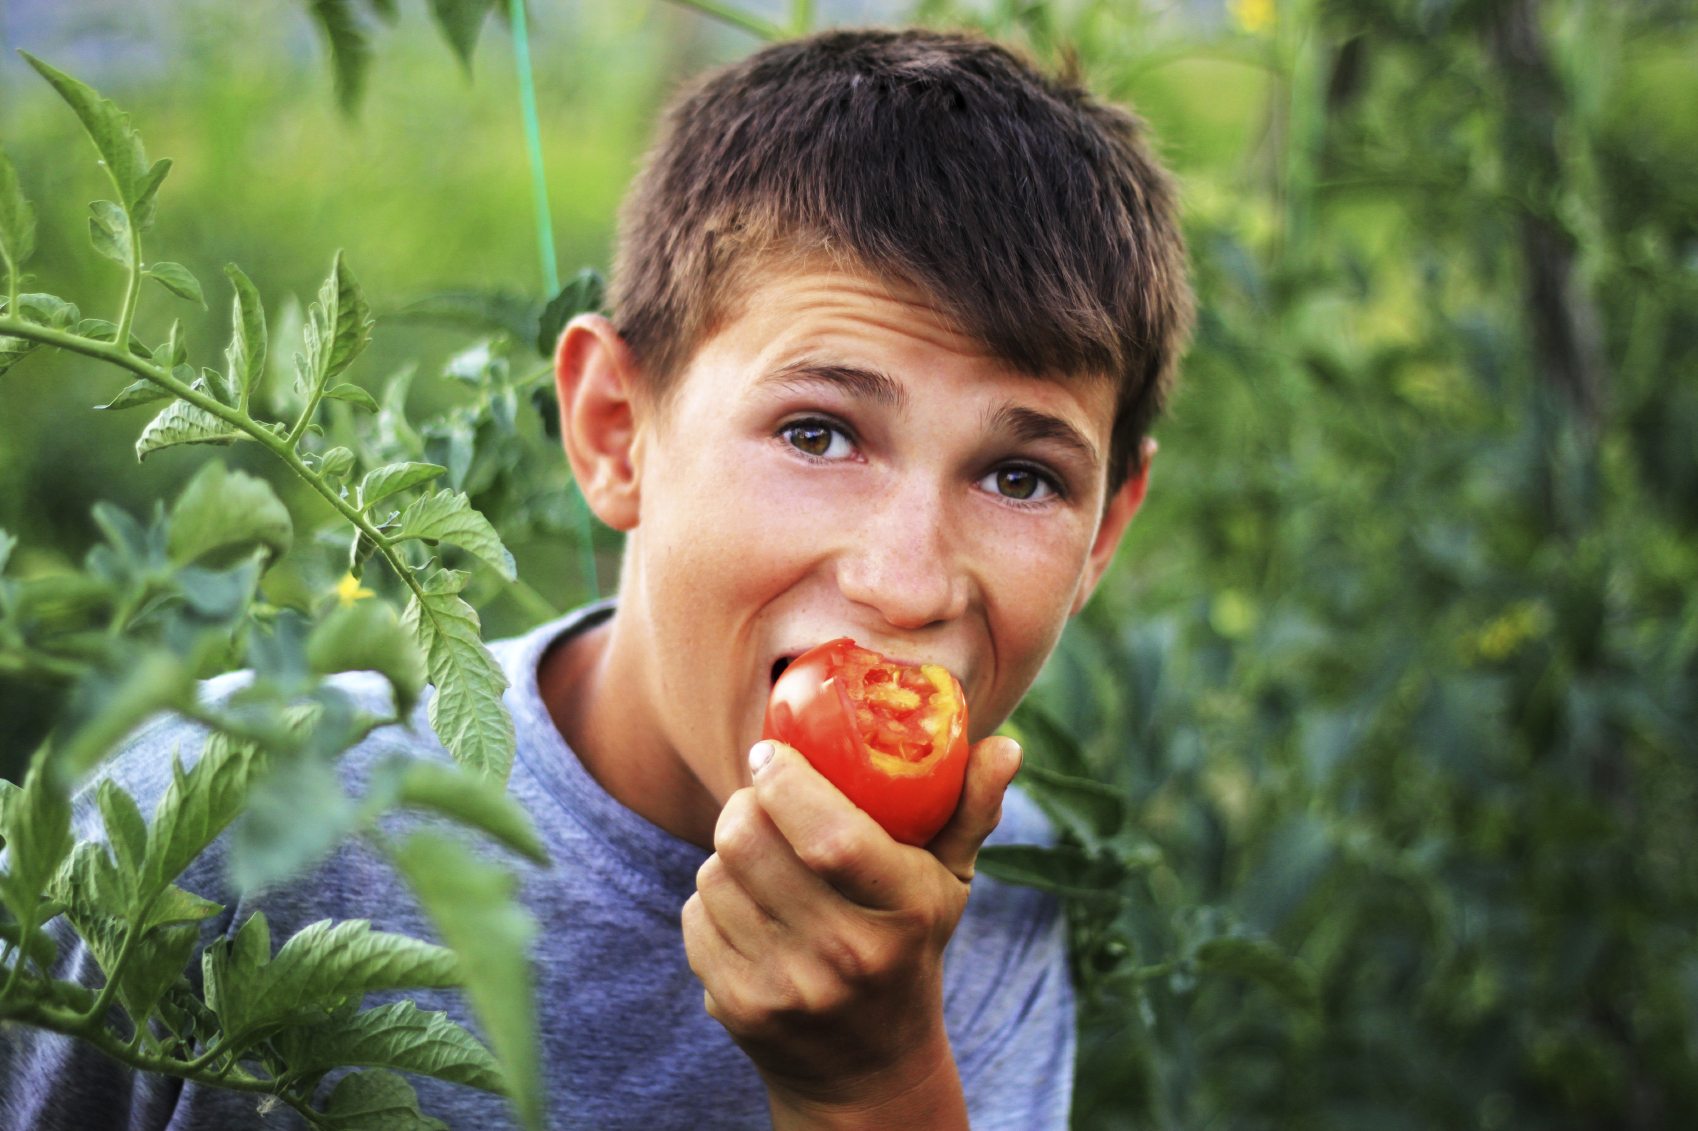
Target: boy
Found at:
892, 316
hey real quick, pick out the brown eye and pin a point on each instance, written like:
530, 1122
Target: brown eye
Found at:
816, 438
1017, 482
1021, 484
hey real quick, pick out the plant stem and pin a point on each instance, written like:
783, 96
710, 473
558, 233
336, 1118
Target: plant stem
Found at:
725, 13
69, 1023
132, 288
283, 449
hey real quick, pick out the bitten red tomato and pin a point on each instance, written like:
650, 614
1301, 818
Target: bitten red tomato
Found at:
892, 736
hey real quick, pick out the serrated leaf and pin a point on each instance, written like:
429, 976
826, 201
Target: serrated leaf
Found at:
466, 712
375, 1101
399, 1036
475, 801
109, 128
126, 831
109, 231
17, 219
585, 291
460, 21
244, 357
1062, 870
222, 516
197, 806
447, 516
324, 965
136, 393
381, 482
367, 636
337, 328
183, 423
179, 280
354, 395
472, 902
147, 194
174, 907
1261, 961
37, 833
350, 48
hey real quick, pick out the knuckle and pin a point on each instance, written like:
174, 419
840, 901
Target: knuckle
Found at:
738, 829
833, 853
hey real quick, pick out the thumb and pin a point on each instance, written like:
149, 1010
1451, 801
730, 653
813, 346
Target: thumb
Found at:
990, 768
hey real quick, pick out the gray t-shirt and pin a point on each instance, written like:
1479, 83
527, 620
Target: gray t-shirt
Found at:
626, 1042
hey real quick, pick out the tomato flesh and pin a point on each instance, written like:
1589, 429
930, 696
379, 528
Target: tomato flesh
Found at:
891, 735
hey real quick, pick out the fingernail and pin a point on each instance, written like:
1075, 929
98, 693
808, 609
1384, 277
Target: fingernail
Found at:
759, 755
1019, 756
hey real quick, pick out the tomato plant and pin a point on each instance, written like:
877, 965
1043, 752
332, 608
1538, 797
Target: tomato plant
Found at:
891, 735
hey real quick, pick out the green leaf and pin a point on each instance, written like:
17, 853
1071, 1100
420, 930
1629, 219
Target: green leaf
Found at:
147, 194
109, 128
1088, 809
41, 949
1062, 870
337, 328
109, 702
472, 800
222, 516
585, 291
400, 1036
244, 357
1261, 961
13, 350
479, 312
447, 516
295, 816
354, 395
350, 48
177, 279
460, 21
183, 423
466, 712
109, 231
366, 636
325, 965
375, 1101
17, 219
381, 482
126, 831
37, 831
197, 806
136, 393
472, 903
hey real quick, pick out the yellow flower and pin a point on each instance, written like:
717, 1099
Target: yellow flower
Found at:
1253, 16
349, 590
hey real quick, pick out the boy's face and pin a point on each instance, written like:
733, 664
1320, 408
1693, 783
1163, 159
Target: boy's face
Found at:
837, 461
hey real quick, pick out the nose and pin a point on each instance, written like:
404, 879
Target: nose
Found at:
905, 563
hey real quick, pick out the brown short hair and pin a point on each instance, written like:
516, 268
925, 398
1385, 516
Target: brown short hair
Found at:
1034, 215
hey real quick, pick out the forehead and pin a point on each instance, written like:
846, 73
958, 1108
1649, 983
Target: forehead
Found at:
812, 317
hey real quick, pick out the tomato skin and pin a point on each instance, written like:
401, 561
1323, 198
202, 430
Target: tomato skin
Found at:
812, 709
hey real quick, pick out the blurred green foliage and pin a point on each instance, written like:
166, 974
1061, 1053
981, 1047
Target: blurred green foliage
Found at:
1396, 682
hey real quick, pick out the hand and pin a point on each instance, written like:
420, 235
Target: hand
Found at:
819, 943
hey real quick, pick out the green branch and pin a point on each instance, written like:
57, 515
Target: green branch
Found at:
282, 448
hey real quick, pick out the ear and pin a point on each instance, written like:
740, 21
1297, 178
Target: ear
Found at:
597, 379
1117, 516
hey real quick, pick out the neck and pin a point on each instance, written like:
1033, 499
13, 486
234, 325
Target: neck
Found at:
595, 687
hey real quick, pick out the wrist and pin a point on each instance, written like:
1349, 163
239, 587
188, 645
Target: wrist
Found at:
922, 1092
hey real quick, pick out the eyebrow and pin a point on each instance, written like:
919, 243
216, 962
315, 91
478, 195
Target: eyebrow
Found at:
855, 380
1028, 425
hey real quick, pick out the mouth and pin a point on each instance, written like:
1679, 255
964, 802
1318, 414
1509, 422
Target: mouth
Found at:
779, 665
